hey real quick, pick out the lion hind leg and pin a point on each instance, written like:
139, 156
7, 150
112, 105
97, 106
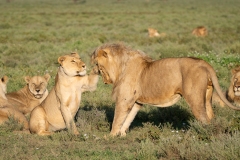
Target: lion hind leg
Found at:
7, 112
209, 109
199, 111
197, 103
38, 122
130, 117
3, 116
195, 95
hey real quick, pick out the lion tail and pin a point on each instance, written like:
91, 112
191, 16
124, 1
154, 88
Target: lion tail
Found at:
219, 91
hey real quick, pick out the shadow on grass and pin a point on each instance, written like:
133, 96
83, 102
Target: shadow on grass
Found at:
175, 115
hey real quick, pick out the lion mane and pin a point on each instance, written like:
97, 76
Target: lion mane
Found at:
138, 80
233, 93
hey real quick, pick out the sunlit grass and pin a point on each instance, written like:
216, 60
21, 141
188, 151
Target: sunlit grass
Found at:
33, 34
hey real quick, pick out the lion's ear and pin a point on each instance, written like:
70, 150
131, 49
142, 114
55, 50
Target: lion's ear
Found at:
4, 79
75, 54
235, 70
47, 77
61, 59
27, 79
103, 52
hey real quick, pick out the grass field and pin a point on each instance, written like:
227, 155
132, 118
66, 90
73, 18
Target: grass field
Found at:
33, 34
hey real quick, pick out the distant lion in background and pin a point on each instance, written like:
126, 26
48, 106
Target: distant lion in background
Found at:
154, 33
6, 110
200, 31
58, 110
31, 95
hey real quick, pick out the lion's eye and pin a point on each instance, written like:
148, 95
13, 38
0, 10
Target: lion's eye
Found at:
73, 61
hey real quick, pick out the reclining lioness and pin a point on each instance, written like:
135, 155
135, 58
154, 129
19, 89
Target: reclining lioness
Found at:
6, 110
31, 95
58, 110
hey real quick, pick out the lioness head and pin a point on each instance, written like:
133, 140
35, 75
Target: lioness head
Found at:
37, 84
72, 65
236, 81
154, 33
3, 86
200, 31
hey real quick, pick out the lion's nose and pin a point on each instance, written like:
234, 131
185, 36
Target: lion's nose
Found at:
37, 90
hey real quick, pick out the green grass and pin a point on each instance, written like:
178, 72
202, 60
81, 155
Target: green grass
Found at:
33, 34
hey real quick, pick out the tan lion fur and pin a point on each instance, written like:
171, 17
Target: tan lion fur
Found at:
58, 110
6, 110
233, 92
138, 80
31, 95
200, 31
154, 33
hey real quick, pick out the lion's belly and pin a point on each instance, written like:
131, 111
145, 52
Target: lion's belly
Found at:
161, 102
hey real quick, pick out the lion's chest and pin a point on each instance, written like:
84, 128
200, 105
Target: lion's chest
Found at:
72, 101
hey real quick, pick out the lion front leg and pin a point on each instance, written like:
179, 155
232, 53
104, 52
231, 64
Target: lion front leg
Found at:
69, 120
92, 80
121, 112
130, 117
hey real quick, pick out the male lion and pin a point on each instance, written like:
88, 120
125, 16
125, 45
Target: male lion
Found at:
27, 98
6, 110
58, 110
200, 31
138, 80
154, 33
233, 92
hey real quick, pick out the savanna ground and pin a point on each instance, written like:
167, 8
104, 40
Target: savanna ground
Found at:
33, 34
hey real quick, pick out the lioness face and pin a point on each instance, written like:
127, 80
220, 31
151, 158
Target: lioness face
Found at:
3, 84
236, 84
200, 31
203, 31
153, 32
72, 65
37, 85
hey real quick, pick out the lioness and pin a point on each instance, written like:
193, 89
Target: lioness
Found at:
27, 98
200, 31
138, 80
154, 33
58, 110
233, 92
6, 110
